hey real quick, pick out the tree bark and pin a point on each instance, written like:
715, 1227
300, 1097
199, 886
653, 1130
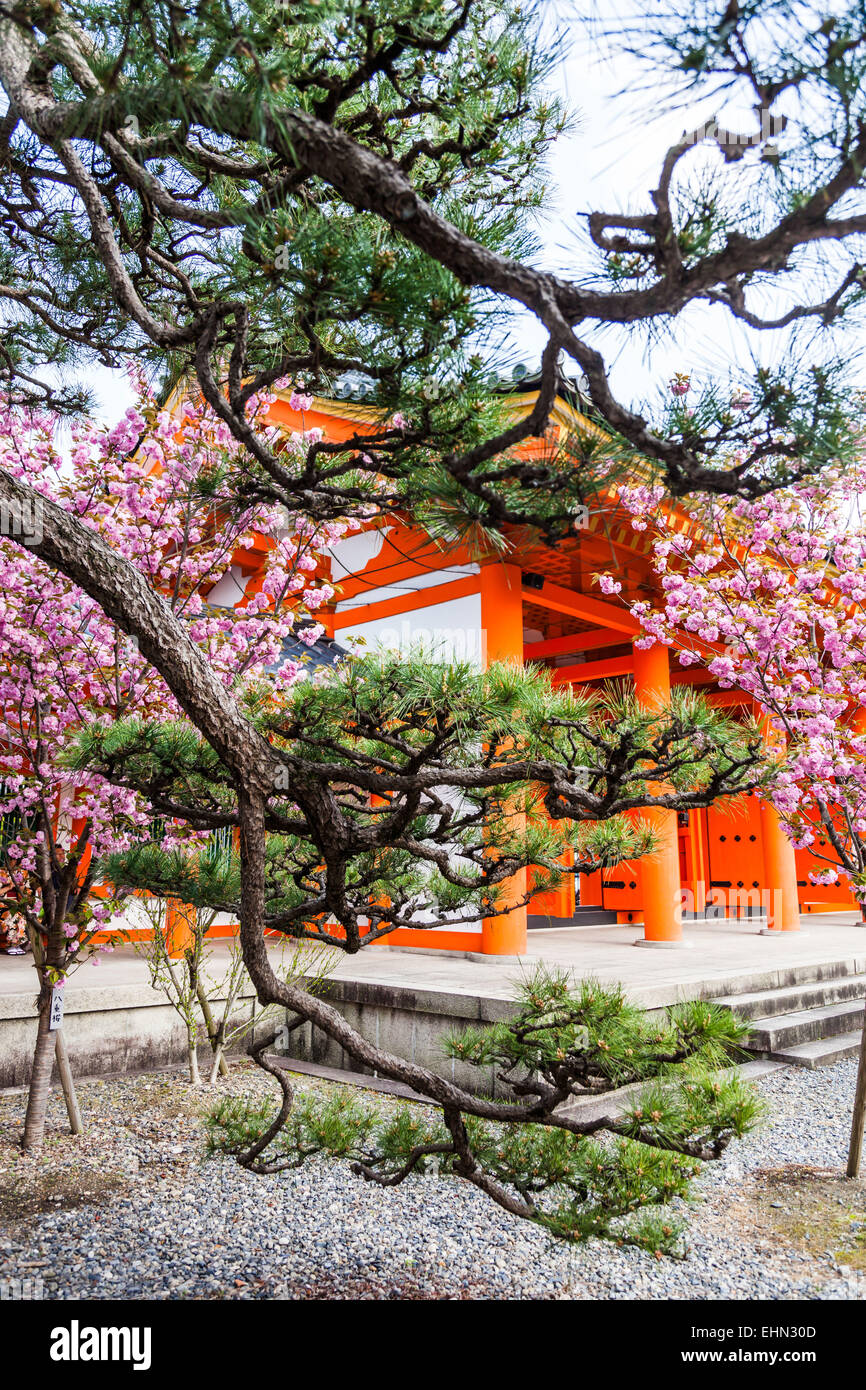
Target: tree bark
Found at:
272, 990
40, 1077
192, 1057
45, 1050
219, 1061
127, 598
218, 1066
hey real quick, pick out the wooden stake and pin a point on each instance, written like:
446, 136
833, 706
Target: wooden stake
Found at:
855, 1150
64, 1071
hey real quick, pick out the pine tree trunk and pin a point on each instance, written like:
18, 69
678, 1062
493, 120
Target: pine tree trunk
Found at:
40, 1077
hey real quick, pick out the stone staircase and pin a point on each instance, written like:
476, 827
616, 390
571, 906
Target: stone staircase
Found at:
813, 1023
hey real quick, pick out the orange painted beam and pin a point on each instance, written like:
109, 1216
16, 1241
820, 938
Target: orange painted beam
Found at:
594, 670
324, 415
692, 675
589, 610
406, 553
576, 642
432, 940
726, 698
617, 620
556, 902
608, 668
780, 873
389, 575
406, 603
250, 557
179, 926
780, 863
698, 859
502, 612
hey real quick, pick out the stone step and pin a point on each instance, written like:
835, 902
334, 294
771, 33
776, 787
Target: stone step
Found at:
773, 1034
753, 1071
820, 974
822, 1053
766, 1003
615, 1102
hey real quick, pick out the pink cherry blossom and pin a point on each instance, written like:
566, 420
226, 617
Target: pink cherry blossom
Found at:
770, 596
66, 667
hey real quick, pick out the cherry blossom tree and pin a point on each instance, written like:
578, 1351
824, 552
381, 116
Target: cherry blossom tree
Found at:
772, 594
163, 493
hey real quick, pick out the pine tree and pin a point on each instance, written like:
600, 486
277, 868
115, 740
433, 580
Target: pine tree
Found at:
242, 194
417, 789
598, 1172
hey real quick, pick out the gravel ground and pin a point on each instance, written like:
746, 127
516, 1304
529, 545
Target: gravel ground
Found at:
136, 1212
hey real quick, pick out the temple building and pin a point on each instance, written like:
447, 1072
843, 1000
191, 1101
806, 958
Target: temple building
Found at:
397, 588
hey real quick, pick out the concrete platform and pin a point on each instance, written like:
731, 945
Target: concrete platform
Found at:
724, 956
114, 1021
407, 1000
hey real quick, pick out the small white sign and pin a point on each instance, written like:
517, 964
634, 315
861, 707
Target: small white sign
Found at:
56, 1017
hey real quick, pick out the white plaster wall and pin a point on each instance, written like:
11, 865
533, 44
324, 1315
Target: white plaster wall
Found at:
228, 591
354, 553
449, 631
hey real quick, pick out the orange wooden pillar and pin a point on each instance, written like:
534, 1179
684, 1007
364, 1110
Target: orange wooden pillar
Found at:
660, 871
697, 836
556, 902
590, 890
780, 865
502, 638
780, 874
179, 926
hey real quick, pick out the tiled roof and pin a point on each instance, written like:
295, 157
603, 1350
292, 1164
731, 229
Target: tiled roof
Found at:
324, 652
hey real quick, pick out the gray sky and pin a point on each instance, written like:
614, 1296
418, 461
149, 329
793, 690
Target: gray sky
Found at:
611, 162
